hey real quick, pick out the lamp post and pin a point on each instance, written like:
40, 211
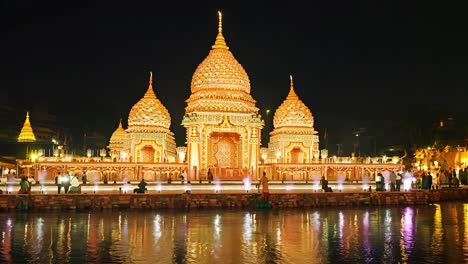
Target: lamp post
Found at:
267, 125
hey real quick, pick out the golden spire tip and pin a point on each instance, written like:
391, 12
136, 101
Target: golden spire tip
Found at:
220, 43
220, 22
292, 94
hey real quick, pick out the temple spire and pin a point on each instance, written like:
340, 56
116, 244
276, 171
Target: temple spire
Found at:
150, 93
292, 94
220, 43
26, 134
151, 79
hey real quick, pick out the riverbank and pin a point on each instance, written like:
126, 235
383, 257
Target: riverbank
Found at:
45, 202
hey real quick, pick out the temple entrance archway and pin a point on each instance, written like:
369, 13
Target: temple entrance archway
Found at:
147, 153
296, 155
224, 156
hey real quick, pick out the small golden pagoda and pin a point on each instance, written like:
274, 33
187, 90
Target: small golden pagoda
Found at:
116, 142
148, 138
293, 139
27, 134
222, 121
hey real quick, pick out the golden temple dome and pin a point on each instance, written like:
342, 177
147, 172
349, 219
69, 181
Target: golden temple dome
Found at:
293, 112
118, 137
149, 114
26, 134
220, 83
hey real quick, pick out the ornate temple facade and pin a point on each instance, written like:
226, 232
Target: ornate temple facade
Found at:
223, 134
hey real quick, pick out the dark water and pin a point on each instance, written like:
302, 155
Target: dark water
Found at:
419, 234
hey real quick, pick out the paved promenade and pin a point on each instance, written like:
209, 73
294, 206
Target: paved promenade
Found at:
176, 187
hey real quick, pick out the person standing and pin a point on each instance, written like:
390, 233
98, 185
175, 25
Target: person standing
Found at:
209, 176
58, 182
429, 181
398, 181
449, 177
24, 185
75, 184
66, 182
182, 176
393, 178
265, 189
378, 182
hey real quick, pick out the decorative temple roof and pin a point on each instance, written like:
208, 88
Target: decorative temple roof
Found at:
220, 83
26, 134
118, 137
293, 112
149, 114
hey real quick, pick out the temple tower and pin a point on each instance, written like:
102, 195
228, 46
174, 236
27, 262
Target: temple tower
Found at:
222, 121
148, 137
293, 139
26, 134
116, 143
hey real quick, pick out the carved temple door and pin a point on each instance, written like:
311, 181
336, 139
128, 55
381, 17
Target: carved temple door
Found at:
295, 155
147, 154
224, 156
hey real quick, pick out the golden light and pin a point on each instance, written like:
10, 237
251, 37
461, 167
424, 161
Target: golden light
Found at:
278, 156
34, 157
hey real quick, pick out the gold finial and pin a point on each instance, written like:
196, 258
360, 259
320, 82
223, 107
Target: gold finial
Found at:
151, 79
292, 94
150, 93
220, 22
220, 43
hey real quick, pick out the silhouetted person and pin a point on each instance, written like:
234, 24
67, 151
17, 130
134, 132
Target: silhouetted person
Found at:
58, 182
209, 175
324, 184
141, 187
429, 180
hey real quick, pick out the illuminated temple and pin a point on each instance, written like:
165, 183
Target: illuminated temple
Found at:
223, 128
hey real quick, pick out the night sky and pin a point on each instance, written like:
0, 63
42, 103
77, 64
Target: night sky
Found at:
358, 66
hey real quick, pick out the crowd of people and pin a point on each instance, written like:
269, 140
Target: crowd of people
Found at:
421, 180
387, 181
69, 182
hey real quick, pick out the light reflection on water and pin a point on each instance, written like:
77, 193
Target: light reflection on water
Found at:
418, 234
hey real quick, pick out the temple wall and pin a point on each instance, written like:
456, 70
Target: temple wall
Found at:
41, 202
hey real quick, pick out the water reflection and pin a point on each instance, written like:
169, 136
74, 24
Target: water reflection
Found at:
429, 234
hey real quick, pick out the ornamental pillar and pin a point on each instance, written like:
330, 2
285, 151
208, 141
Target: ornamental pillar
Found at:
254, 152
193, 151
